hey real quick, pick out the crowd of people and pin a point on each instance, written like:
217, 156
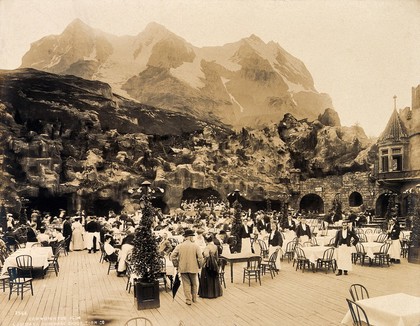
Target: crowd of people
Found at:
192, 238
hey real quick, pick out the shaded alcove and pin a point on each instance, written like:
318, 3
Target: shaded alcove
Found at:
47, 203
382, 203
197, 194
355, 199
311, 203
101, 207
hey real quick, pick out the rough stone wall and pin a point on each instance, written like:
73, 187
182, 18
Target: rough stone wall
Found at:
328, 187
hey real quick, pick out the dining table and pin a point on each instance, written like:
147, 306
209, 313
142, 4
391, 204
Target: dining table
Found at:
39, 256
238, 258
398, 309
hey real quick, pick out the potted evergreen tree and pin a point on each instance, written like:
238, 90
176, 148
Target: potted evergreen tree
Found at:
145, 256
414, 211
236, 226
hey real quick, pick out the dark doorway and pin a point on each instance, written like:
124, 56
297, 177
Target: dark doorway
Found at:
197, 194
382, 205
101, 207
47, 203
312, 203
355, 199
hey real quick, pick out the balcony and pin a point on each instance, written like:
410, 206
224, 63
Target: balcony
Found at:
399, 175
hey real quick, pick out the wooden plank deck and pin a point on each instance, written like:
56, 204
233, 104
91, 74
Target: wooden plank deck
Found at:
83, 291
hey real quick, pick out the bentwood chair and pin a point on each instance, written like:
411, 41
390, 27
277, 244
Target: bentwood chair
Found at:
138, 321
382, 256
162, 273
357, 314
24, 262
290, 250
270, 264
222, 262
301, 260
358, 292
381, 237
253, 270
53, 263
326, 261
360, 254
19, 282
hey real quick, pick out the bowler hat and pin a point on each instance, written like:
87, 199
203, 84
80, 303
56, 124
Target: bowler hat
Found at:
189, 233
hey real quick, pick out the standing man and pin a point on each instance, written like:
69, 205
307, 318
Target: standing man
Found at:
343, 242
67, 231
394, 234
187, 256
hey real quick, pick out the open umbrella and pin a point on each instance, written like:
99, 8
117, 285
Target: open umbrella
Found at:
176, 285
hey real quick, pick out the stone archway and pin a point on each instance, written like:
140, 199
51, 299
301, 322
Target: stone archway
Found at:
355, 199
197, 194
101, 207
312, 203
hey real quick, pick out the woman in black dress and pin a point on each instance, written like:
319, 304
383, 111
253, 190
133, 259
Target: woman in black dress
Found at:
210, 286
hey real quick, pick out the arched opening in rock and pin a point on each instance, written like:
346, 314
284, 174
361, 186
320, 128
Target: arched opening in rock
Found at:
355, 199
159, 203
311, 203
200, 194
101, 207
45, 202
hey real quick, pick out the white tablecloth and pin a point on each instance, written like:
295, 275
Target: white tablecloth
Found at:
398, 309
39, 256
371, 248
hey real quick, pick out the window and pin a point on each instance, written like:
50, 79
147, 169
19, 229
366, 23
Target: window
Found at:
391, 159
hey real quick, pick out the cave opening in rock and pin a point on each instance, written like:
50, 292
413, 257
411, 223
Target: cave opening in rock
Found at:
355, 199
311, 203
47, 203
200, 194
101, 207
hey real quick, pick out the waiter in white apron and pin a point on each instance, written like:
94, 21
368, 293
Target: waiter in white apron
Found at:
344, 239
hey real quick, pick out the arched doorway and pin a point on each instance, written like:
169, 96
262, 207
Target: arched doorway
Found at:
382, 205
355, 199
312, 203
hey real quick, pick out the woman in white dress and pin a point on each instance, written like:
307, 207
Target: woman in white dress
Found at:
77, 235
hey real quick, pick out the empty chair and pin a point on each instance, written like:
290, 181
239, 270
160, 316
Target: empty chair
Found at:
314, 242
129, 271
360, 254
113, 262
331, 243
253, 270
270, 264
326, 261
357, 314
24, 262
382, 256
162, 273
368, 231
222, 262
264, 249
362, 237
103, 253
301, 260
53, 263
138, 321
290, 250
19, 282
358, 292
381, 237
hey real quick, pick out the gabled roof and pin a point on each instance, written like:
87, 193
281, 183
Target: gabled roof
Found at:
395, 130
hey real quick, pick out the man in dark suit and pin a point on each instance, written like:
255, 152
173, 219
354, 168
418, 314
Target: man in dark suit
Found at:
344, 239
247, 228
67, 232
289, 224
275, 238
394, 235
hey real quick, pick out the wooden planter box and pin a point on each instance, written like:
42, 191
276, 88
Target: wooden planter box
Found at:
147, 295
414, 255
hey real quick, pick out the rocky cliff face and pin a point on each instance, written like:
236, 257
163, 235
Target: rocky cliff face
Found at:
63, 136
248, 83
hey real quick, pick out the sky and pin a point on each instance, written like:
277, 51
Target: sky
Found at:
361, 53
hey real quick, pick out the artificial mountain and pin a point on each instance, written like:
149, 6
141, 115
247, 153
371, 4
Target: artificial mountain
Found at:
68, 141
247, 83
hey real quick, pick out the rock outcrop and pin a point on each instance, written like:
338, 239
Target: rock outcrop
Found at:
66, 137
